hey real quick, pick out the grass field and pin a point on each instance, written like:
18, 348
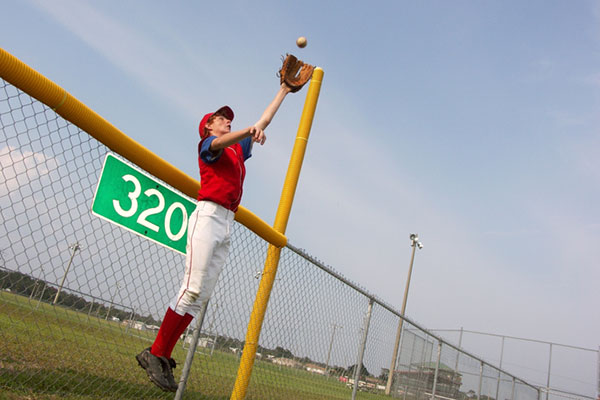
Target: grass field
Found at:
49, 352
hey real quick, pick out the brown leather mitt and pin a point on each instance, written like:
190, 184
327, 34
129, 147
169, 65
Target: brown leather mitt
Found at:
295, 73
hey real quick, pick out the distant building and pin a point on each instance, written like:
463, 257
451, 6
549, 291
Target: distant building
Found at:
317, 369
374, 383
420, 377
140, 326
369, 383
286, 362
205, 342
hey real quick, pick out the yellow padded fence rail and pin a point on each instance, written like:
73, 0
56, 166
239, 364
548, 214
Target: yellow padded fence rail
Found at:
70, 108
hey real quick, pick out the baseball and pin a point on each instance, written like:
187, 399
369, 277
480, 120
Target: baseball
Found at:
301, 42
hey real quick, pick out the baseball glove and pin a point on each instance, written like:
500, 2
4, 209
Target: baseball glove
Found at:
295, 73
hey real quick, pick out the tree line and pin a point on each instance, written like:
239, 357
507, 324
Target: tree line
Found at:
38, 290
224, 343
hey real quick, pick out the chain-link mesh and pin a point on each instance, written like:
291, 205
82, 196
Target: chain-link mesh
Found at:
560, 369
81, 296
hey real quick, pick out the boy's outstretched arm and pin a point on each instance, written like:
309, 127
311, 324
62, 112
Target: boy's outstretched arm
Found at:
257, 130
234, 137
272, 108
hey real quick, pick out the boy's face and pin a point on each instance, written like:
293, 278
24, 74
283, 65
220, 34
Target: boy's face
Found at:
219, 125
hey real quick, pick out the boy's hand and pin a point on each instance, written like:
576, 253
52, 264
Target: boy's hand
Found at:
258, 135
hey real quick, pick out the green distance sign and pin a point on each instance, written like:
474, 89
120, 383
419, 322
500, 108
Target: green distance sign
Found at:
134, 200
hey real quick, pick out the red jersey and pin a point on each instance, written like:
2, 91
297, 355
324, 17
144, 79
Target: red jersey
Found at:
222, 175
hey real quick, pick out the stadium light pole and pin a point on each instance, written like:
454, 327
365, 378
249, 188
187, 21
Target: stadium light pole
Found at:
117, 287
414, 243
73, 247
330, 347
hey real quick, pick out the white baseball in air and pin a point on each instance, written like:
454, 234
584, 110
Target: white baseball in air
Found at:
301, 42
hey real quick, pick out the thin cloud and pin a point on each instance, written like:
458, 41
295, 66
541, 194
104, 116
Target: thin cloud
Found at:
128, 50
15, 163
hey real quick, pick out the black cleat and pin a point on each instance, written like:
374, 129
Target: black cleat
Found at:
158, 370
171, 365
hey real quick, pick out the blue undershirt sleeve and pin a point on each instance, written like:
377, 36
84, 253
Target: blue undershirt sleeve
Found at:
246, 144
206, 154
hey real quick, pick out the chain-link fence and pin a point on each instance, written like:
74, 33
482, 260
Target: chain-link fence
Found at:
560, 370
81, 296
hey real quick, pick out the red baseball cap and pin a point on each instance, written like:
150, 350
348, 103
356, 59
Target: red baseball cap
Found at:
225, 111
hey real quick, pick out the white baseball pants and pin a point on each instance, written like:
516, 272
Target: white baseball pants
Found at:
209, 231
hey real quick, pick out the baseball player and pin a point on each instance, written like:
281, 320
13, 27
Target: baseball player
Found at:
221, 157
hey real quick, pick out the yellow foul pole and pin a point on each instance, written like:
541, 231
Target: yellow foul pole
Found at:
281, 219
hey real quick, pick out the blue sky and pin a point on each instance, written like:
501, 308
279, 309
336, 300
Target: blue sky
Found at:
473, 124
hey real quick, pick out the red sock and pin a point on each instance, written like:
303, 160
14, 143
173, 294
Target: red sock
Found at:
168, 330
185, 321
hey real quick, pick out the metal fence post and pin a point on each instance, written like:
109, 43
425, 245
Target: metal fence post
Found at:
549, 369
128, 322
512, 392
35, 285
480, 380
112, 299
361, 351
74, 247
190, 354
458, 352
330, 348
437, 368
598, 370
90, 310
41, 295
500, 367
423, 358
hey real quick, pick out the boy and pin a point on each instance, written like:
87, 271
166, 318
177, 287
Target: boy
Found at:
221, 156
